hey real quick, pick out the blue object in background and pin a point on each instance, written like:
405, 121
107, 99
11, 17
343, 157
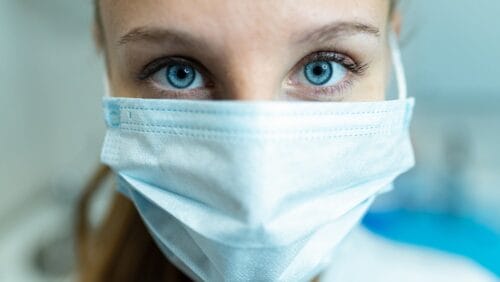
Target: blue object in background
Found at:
448, 233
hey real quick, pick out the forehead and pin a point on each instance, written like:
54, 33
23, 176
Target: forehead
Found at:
223, 20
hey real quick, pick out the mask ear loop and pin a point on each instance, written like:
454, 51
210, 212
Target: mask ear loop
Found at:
397, 63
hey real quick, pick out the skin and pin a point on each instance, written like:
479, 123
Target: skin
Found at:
247, 50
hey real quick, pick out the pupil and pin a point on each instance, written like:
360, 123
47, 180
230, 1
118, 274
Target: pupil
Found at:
318, 70
182, 73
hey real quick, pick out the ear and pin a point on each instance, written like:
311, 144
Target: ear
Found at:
397, 22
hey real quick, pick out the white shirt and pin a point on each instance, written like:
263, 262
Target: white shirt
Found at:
365, 256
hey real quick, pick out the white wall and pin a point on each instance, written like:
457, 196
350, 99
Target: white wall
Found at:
452, 55
50, 89
452, 49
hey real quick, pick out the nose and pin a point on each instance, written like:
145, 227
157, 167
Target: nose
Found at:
253, 78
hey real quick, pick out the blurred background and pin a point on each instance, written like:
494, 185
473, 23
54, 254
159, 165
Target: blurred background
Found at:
52, 129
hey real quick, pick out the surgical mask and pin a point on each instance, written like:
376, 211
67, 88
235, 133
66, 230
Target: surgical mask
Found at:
255, 191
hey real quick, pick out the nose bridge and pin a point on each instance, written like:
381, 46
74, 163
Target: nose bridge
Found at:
251, 75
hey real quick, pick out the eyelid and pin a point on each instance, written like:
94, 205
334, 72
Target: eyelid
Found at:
340, 58
192, 94
156, 65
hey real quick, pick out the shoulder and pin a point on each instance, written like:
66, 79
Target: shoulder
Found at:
365, 256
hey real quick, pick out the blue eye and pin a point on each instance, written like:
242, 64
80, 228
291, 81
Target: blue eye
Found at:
177, 76
324, 73
180, 76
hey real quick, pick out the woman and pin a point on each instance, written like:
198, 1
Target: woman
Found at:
247, 189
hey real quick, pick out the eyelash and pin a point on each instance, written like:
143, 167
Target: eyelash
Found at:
355, 70
160, 63
339, 58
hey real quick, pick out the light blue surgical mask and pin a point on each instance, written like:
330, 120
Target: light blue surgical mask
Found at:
255, 191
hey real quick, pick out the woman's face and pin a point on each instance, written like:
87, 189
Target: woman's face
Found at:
323, 50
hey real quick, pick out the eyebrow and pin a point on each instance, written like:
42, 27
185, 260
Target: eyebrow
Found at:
338, 29
155, 35
324, 33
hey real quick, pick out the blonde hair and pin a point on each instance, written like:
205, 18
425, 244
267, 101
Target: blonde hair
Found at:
120, 249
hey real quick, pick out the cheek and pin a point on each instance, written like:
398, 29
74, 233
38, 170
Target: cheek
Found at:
119, 88
373, 85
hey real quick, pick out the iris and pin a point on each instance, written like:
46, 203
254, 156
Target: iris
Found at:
180, 76
318, 72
